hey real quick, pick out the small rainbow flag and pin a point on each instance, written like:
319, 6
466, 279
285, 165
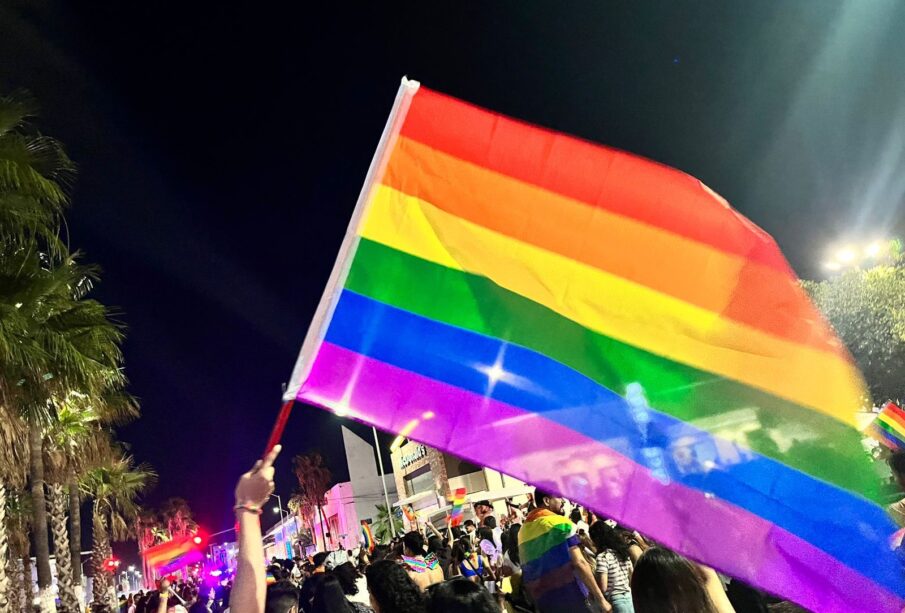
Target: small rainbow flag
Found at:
458, 507
611, 330
367, 537
409, 513
889, 427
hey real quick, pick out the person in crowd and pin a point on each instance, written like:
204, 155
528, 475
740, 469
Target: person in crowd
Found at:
423, 567
490, 523
613, 567
348, 579
469, 563
329, 597
470, 529
202, 604
391, 590
320, 562
665, 582
363, 559
482, 509
254, 488
580, 523
897, 466
554, 571
281, 597
438, 548
460, 596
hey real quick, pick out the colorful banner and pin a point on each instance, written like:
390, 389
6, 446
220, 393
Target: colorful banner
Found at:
175, 554
367, 537
889, 427
458, 507
607, 328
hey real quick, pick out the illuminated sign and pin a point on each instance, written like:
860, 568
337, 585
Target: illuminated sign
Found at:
419, 452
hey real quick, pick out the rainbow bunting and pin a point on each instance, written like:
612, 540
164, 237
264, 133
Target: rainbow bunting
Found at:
889, 427
610, 329
458, 507
367, 537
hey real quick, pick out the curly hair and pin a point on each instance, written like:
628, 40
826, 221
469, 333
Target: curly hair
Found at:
392, 588
347, 576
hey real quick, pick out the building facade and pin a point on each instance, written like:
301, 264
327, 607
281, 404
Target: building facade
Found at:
427, 477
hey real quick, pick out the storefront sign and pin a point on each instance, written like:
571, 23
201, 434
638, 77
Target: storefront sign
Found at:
413, 456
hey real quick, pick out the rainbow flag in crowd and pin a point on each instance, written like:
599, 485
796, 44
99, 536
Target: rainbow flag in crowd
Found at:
458, 507
174, 554
889, 427
367, 537
607, 328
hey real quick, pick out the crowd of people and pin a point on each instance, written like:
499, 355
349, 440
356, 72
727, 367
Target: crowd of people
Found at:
532, 559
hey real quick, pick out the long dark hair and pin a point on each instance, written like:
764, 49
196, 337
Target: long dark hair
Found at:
329, 598
512, 548
458, 596
392, 588
606, 538
665, 582
414, 542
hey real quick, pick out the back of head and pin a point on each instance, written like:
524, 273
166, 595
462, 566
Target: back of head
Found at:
434, 544
485, 534
490, 522
575, 515
282, 597
541, 496
665, 582
392, 588
460, 596
347, 575
320, 558
606, 538
329, 597
414, 542
512, 549
897, 462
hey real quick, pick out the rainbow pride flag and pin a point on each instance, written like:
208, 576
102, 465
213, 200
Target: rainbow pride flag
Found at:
367, 537
889, 427
607, 328
458, 507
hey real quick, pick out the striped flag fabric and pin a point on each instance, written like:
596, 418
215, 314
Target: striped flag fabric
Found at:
457, 515
888, 427
609, 329
367, 537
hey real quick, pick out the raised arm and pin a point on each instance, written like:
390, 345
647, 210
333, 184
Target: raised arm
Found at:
254, 488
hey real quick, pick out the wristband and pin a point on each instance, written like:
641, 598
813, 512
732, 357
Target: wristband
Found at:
250, 508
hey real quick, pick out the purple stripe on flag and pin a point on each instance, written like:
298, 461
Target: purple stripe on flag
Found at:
540, 451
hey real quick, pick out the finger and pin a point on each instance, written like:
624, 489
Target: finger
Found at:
268, 461
256, 467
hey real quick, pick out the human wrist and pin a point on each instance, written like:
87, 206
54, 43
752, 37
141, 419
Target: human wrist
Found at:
241, 508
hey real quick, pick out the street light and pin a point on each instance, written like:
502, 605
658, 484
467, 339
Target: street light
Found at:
854, 256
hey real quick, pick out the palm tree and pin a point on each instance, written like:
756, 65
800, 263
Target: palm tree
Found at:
79, 345
314, 481
387, 525
18, 565
12, 479
71, 430
115, 487
177, 517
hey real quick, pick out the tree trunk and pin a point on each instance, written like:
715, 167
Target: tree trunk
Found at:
59, 501
39, 515
101, 580
324, 527
28, 588
75, 529
4, 553
75, 537
14, 587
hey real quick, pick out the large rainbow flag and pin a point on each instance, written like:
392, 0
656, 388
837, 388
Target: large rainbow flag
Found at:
610, 329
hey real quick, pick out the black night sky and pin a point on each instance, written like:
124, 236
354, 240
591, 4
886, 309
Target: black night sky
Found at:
222, 147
